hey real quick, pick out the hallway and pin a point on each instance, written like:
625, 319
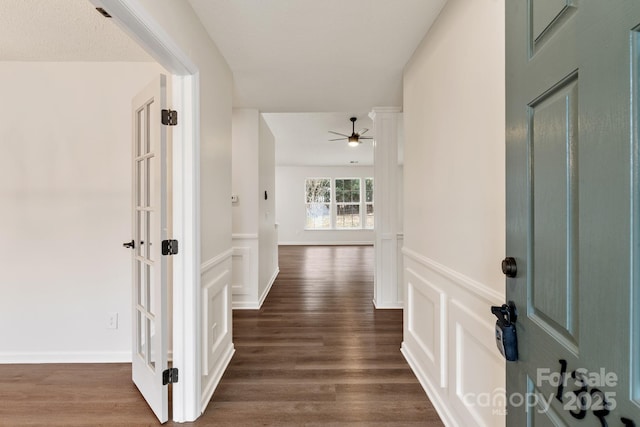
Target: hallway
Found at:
316, 354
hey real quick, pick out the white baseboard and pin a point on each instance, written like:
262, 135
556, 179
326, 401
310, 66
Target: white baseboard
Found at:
255, 305
329, 243
216, 376
387, 306
268, 288
245, 305
429, 388
65, 357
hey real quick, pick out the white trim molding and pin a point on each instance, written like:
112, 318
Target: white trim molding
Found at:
216, 376
239, 236
479, 289
328, 243
134, 20
266, 291
140, 25
211, 263
31, 357
431, 390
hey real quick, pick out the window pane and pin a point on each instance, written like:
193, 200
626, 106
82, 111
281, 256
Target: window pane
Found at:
318, 190
355, 190
340, 191
369, 217
348, 216
318, 215
368, 190
348, 190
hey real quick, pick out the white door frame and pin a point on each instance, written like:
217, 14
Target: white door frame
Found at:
134, 20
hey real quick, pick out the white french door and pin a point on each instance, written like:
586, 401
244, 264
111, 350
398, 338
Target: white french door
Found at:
150, 225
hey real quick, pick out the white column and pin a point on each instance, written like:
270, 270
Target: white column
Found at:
387, 292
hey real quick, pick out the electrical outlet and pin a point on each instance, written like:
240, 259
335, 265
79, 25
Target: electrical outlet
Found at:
112, 320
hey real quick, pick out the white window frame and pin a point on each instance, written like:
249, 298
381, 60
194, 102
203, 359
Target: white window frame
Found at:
365, 203
333, 204
331, 198
336, 203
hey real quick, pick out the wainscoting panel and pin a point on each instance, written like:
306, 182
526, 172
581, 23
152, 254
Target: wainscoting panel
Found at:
217, 345
449, 342
215, 310
241, 270
245, 271
386, 288
478, 389
426, 325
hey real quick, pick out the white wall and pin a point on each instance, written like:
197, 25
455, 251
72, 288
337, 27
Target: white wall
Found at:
290, 206
255, 250
454, 216
216, 86
245, 170
245, 182
65, 192
267, 232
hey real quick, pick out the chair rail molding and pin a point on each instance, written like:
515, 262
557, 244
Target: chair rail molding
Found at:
246, 236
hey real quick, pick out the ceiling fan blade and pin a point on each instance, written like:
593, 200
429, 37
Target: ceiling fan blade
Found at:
363, 131
366, 137
339, 139
341, 134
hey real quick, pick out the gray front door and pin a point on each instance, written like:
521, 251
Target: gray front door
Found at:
573, 211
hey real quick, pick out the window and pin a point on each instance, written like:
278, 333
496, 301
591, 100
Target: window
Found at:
348, 203
341, 203
368, 203
318, 203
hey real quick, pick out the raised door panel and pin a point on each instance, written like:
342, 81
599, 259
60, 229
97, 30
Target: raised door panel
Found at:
553, 145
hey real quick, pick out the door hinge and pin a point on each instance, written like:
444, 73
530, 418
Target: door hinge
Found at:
169, 247
170, 376
169, 117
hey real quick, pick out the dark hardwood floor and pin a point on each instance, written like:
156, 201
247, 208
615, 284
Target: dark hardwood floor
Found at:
316, 354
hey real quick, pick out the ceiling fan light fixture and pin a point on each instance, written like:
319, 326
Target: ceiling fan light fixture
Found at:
355, 138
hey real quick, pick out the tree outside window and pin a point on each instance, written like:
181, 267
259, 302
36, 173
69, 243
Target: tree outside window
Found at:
318, 203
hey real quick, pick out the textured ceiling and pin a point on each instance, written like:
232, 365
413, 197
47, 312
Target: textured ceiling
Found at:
303, 139
62, 30
307, 58
311, 55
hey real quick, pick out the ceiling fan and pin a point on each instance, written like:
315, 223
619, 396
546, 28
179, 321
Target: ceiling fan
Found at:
354, 139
